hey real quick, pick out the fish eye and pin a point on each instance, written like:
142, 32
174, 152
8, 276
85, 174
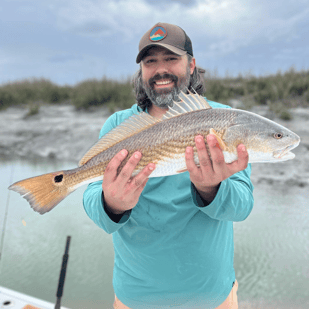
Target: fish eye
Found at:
278, 135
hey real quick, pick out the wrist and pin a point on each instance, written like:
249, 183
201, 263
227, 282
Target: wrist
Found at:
116, 217
208, 189
113, 210
110, 209
207, 194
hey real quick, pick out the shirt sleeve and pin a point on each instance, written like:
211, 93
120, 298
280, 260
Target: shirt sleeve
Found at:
93, 201
233, 201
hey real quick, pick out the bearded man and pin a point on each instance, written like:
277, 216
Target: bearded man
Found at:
172, 236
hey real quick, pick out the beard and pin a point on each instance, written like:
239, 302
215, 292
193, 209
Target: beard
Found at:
165, 97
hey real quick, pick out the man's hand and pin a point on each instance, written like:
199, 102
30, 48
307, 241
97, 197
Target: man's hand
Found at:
208, 176
121, 192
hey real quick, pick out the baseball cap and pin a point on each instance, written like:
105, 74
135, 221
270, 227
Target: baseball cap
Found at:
166, 35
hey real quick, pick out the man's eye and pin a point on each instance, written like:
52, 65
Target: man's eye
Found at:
150, 61
171, 59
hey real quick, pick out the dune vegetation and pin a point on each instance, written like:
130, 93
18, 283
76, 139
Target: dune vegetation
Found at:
280, 92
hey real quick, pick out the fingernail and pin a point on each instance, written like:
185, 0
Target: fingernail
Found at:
212, 141
123, 153
211, 138
136, 155
151, 168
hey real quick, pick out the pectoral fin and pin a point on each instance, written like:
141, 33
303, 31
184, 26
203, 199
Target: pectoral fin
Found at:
220, 141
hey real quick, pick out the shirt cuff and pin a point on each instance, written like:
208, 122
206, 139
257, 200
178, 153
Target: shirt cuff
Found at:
117, 218
197, 198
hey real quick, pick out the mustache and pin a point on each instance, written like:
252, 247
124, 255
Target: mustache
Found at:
158, 76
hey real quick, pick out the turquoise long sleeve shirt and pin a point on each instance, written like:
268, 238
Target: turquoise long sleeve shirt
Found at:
172, 251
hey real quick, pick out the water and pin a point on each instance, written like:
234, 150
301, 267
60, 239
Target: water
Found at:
271, 246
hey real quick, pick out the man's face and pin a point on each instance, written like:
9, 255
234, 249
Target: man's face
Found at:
164, 75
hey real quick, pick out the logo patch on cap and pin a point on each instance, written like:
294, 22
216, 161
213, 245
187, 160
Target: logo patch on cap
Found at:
157, 33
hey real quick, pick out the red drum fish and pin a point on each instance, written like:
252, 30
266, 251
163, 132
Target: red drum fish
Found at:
163, 142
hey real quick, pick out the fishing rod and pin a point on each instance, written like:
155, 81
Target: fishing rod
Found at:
63, 270
5, 216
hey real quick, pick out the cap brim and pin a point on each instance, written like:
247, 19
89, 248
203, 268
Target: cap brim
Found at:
173, 49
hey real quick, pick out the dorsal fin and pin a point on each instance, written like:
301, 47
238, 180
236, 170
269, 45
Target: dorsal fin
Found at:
138, 123
189, 103
127, 128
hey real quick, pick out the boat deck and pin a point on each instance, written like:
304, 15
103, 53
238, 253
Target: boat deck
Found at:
10, 299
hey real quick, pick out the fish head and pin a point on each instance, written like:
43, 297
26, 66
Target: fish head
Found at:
265, 140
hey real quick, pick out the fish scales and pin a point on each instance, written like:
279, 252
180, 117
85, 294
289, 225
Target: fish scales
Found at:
164, 139
163, 142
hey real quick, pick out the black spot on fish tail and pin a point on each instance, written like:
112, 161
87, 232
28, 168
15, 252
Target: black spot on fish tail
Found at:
58, 178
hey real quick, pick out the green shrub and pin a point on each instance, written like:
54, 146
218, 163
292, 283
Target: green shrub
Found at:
285, 115
6, 98
299, 87
52, 93
251, 85
27, 91
281, 109
262, 84
307, 96
33, 109
265, 95
238, 90
215, 90
222, 90
96, 93
291, 86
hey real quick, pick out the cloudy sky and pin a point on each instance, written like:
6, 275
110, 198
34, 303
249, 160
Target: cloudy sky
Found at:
68, 41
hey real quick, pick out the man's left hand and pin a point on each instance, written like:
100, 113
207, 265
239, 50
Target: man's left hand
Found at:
208, 175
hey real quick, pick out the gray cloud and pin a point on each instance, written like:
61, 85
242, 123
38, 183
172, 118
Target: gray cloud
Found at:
181, 2
62, 38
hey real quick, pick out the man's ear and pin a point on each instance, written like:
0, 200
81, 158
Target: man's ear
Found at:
192, 65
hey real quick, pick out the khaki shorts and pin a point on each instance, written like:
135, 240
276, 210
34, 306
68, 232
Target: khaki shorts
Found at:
230, 303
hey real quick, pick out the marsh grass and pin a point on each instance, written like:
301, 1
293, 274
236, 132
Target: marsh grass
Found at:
279, 92
291, 85
33, 109
93, 93
31, 90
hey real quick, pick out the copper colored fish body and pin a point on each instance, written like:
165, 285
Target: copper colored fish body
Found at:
163, 142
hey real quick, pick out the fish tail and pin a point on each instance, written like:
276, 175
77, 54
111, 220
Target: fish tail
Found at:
43, 192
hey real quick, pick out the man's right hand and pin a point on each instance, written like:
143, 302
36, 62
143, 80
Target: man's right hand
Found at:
121, 192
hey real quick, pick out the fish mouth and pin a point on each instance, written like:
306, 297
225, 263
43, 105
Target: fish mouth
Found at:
285, 153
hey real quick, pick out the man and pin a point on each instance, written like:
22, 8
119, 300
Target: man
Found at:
173, 236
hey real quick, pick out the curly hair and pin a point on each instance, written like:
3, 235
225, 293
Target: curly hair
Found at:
196, 84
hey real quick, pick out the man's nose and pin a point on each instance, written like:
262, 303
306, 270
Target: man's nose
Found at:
162, 67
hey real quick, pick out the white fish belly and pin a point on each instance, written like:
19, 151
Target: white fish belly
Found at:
229, 157
170, 166
267, 157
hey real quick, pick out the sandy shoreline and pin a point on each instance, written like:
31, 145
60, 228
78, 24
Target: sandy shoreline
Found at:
57, 132
62, 133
